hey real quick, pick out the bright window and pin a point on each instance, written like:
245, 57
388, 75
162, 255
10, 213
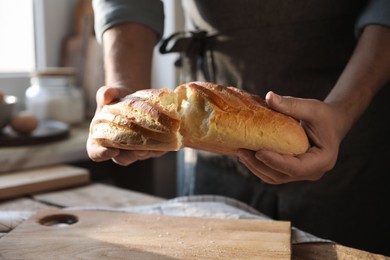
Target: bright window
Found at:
17, 36
31, 34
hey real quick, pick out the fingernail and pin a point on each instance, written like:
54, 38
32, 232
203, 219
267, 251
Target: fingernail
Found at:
277, 98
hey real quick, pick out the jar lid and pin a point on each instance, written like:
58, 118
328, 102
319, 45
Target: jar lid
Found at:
54, 72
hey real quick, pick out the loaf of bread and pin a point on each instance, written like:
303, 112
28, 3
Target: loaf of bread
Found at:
200, 115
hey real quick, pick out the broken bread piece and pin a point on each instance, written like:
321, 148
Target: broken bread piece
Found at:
145, 120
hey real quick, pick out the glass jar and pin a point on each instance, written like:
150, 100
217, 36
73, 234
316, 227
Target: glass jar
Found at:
53, 96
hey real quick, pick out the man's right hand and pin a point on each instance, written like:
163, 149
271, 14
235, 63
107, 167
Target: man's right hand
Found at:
97, 153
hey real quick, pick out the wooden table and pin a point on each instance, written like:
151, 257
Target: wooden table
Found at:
102, 195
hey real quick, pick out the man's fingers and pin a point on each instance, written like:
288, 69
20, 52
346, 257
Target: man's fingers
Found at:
100, 153
298, 108
128, 157
105, 95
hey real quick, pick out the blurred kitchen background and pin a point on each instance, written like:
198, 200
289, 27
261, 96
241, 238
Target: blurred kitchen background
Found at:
39, 34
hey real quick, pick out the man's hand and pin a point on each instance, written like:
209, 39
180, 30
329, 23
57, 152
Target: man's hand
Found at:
97, 153
322, 125
128, 50
326, 123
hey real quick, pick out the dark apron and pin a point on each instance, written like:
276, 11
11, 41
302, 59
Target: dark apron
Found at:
295, 48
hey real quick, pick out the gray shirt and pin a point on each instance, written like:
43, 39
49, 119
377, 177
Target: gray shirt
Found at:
151, 13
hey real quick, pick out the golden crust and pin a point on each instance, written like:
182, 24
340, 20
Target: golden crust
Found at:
238, 120
139, 121
200, 115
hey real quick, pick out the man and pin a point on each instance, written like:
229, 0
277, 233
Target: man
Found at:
306, 49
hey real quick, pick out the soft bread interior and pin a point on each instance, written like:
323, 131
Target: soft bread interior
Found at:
195, 114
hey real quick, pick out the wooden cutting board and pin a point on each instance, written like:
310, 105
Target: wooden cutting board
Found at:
58, 234
42, 179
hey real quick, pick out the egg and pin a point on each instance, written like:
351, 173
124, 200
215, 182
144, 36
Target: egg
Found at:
24, 122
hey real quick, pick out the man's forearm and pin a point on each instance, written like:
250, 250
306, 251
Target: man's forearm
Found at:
367, 71
128, 51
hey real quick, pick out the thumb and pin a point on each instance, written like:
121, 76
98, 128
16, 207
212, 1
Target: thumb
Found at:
297, 108
106, 95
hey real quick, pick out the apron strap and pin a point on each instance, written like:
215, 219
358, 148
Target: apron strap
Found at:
195, 49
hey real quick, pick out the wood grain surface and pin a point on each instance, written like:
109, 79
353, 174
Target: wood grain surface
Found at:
51, 234
41, 179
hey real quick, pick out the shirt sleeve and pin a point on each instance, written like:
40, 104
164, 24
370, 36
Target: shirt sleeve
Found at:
376, 12
108, 13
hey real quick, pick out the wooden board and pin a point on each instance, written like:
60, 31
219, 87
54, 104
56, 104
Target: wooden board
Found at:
331, 251
41, 179
58, 234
